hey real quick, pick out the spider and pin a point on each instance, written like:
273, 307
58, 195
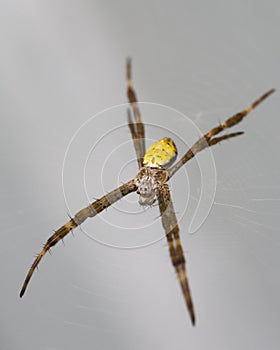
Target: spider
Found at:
151, 184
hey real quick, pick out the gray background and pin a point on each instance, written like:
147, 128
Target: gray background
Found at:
61, 63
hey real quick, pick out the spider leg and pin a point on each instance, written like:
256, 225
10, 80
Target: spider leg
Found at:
136, 128
199, 146
137, 145
169, 222
237, 118
207, 141
93, 209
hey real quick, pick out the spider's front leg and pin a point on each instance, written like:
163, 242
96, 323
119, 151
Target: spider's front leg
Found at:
93, 209
170, 224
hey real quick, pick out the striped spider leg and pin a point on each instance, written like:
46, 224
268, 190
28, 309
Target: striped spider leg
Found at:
170, 225
207, 139
88, 212
136, 128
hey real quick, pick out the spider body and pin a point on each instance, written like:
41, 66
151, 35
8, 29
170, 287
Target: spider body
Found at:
147, 181
151, 184
160, 154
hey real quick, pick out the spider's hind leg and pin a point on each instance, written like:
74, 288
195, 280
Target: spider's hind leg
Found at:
137, 128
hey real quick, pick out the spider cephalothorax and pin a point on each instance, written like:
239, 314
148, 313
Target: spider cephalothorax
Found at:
148, 180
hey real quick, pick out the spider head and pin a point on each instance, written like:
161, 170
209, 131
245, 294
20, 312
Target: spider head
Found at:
147, 181
147, 193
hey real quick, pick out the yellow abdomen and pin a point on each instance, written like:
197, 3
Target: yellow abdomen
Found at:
160, 154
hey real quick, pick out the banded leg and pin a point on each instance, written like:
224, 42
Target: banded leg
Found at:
136, 128
134, 135
207, 141
169, 222
93, 209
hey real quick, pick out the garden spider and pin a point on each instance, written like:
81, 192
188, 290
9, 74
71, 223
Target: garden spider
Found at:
151, 185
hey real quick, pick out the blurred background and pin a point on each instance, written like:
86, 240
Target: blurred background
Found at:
65, 142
